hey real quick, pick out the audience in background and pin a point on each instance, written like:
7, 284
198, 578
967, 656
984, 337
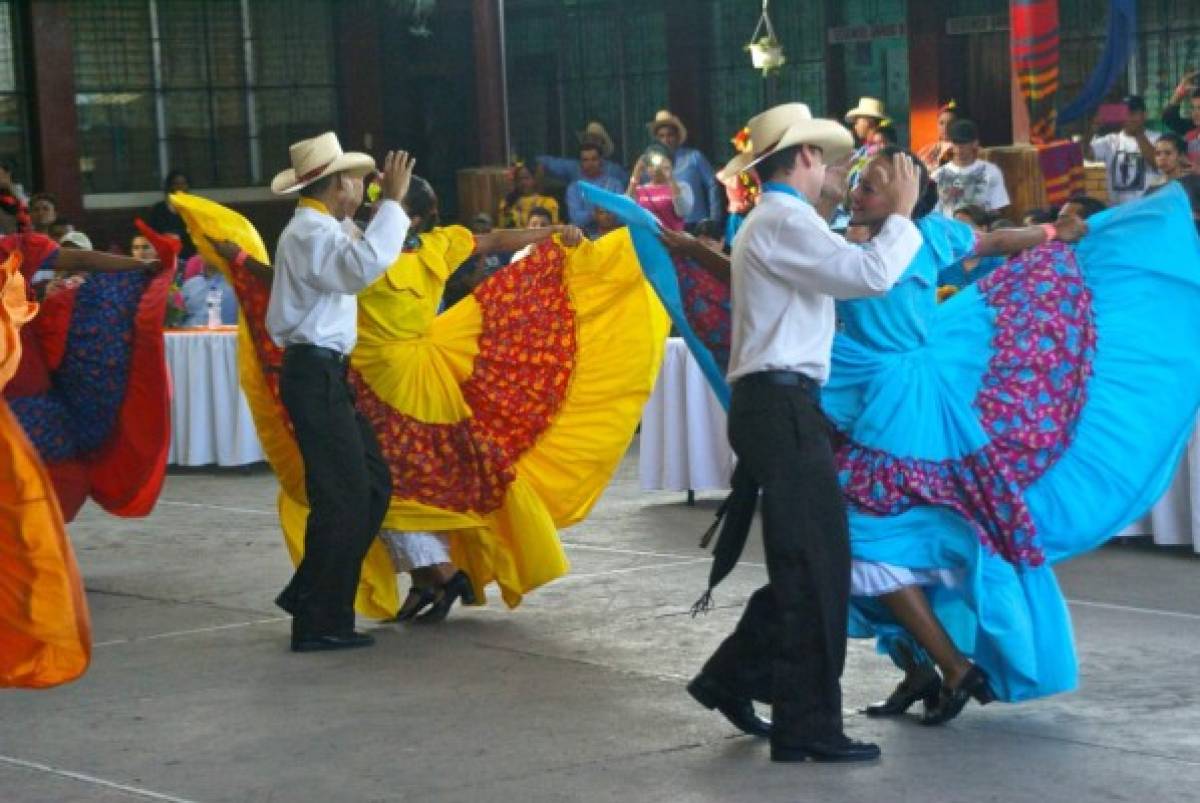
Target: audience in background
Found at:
60, 228
663, 194
140, 248
524, 196
591, 171
690, 168
196, 295
570, 170
1170, 158
1128, 154
1186, 124
972, 269
936, 154
1036, 217
76, 239
165, 220
605, 222
43, 212
1081, 205
967, 180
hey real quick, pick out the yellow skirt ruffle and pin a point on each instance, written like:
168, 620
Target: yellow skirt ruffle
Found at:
504, 522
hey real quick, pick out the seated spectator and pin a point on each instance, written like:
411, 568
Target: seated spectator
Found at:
196, 292
691, 168
1128, 154
1083, 206
591, 171
43, 211
668, 199
165, 220
570, 170
967, 180
524, 196
1001, 223
936, 154
1036, 217
1170, 157
1187, 126
972, 269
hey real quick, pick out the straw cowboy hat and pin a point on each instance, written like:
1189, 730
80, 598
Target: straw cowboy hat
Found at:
867, 107
664, 117
598, 135
784, 126
315, 158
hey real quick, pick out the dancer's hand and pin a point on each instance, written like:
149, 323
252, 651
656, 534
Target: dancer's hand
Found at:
1070, 228
571, 235
397, 173
677, 242
226, 249
904, 187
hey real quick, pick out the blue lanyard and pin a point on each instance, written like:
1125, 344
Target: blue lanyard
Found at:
775, 186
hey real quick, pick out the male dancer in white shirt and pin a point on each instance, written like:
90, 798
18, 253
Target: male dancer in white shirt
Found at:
322, 262
788, 267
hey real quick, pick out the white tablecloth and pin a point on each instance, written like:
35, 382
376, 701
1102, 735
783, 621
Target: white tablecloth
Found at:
210, 419
683, 446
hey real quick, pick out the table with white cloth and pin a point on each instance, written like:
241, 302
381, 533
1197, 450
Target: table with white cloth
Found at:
684, 447
210, 418
1175, 519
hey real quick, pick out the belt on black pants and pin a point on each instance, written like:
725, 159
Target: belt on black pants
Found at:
786, 379
316, 352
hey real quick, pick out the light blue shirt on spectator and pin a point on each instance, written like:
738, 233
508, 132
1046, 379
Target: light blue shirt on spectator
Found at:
195, 300
579, 212
568, 171
692, 168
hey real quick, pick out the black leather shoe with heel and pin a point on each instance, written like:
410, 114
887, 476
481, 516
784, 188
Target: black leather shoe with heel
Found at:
952, 701
922, 683
457, 587
739, 711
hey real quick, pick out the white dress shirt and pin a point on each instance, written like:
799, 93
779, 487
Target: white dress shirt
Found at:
788, 268
321, 264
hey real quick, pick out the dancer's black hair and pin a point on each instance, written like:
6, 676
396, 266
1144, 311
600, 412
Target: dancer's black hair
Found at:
927, 199
420, 202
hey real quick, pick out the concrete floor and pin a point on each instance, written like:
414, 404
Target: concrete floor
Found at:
578, 695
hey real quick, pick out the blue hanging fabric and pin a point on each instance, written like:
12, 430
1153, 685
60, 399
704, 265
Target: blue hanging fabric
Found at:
660, 273
1122, 25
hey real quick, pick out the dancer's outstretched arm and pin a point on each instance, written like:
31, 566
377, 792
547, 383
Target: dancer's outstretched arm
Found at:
229, 251
683, 244
76, 260
506, 241
1067, 229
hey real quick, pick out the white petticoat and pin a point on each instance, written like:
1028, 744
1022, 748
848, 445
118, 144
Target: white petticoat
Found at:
415, 550
870, 579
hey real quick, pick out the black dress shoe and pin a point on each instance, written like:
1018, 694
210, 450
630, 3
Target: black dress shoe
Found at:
418, 599
923, 683
329, 642
951, 701
739, 711
457, 586
834, 749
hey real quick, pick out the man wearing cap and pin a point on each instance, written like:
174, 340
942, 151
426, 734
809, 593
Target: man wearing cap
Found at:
321, 263
787, 268
967, 180
689, 166
1128, 154
570, 170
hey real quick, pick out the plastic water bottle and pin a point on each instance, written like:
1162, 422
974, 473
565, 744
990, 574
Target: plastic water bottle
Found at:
214, 307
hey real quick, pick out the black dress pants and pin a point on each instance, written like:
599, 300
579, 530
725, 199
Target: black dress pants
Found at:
348, 485
790, 646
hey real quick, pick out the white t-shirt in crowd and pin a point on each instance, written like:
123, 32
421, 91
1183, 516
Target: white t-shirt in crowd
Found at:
978, 184
1129, 174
